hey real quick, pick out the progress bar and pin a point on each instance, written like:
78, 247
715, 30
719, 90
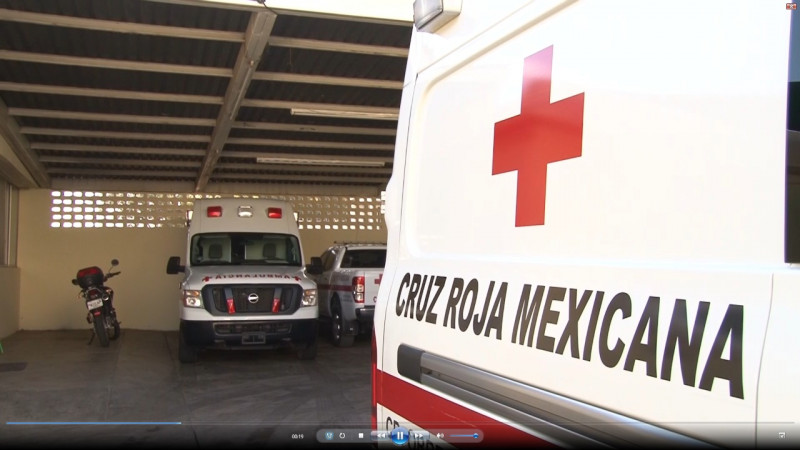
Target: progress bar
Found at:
93, 423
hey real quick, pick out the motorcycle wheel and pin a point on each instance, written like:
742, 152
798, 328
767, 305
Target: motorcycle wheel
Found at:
112, 326
100, 331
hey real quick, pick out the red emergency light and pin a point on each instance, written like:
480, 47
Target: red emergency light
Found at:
274, 213
214, 211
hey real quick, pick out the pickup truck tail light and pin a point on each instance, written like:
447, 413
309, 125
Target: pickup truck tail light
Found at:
358, 289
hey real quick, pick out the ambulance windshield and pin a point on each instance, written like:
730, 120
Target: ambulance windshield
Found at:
245, 248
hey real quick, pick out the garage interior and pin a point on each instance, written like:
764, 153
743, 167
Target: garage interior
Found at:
134, 108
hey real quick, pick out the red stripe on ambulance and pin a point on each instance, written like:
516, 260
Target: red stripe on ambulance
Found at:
433, 412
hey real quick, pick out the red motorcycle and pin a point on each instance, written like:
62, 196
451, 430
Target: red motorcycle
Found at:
99, 301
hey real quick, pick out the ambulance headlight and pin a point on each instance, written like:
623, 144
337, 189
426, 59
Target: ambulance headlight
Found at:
310, 297
192, 299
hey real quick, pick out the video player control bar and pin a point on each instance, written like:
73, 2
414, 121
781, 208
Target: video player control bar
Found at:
399, 436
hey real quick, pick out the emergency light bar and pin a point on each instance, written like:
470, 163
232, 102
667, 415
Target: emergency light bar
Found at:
274, 213
214, 211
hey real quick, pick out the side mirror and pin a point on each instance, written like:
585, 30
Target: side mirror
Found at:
75, 281
315, 268
174, 265
114, 262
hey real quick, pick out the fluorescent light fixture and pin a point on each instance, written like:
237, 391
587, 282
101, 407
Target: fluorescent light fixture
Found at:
321, 162
343, 114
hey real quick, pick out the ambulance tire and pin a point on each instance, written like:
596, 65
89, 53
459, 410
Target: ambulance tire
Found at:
308, 352
186, 353
340, 339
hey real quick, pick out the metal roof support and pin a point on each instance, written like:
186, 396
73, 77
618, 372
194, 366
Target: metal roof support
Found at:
345, 47
161, 151
333, 129
109, 93
261, 154
144, 174
256, 38
111, 163
149, 174
116, 64
119, 27
328, 80
19, 144
115, 135
104, 117
310, 144
291, 168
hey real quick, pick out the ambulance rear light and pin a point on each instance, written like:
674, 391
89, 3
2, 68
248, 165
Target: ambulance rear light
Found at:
274, 213
358, 289
214, 211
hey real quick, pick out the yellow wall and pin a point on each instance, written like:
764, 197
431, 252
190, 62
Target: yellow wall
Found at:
9, 300
145, 296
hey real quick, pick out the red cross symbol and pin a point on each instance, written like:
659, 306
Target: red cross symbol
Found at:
542, 133
378, 280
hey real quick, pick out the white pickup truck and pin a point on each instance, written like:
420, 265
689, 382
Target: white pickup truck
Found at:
348, 277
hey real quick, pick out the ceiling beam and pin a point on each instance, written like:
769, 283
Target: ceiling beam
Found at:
253, 166
192, 121
318, 177
322, 178
120, 27
256, 37
249, 5
368, 159
90, 161
327, 80
115, 134
109, 93
310, 144
304, 168
315, 128
119, 150
288, 104
345, 47
187, 98
115, 64
104, 117
105, 173
9, 130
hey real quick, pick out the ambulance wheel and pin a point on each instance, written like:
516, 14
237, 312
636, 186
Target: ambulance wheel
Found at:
308, 351
186, 353
340, 339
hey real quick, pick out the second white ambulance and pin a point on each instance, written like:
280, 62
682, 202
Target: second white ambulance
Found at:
244, 281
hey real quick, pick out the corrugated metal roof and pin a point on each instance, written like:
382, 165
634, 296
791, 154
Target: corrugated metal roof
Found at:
163, 90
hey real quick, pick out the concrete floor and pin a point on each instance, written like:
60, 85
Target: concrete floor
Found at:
228, 399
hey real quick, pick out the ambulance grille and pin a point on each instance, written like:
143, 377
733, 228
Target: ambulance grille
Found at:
252, 299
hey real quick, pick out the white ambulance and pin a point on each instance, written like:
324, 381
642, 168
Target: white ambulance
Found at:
244, 282
592, 224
